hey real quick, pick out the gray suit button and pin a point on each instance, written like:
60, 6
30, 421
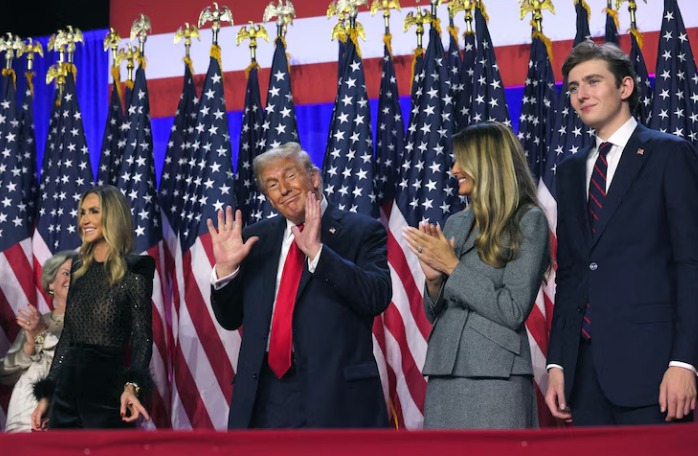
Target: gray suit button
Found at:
254, 376
593, 266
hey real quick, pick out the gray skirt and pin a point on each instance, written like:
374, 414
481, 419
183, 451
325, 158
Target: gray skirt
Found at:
480, 403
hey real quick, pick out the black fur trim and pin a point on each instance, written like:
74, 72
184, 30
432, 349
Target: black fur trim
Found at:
44, 388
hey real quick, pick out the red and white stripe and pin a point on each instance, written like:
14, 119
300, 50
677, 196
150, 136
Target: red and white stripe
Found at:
406, 327
16, 291
205, 355
313, 56
160, 408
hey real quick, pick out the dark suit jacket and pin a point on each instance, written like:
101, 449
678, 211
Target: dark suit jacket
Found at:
639, 271
332, 321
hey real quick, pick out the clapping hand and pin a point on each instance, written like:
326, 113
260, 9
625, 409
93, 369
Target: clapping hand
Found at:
435, 253
308, 240
30, 321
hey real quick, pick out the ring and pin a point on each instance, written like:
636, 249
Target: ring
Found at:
420, 249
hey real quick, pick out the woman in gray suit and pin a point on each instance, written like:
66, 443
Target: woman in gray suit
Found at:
483, 272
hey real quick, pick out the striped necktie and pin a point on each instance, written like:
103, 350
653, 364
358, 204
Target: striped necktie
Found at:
597, 200
597, 186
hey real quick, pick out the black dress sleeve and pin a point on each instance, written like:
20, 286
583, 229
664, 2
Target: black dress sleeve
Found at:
139, 290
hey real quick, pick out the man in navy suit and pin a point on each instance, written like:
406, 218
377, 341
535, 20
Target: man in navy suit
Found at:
624, 339
330, 377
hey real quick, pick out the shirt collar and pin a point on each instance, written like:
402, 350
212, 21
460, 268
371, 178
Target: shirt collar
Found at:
621, 136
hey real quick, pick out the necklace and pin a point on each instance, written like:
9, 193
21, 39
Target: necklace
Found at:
57, 318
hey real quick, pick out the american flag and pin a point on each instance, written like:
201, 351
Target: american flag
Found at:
455, 62
112, 147
612, 26
176, 167
425, 191
488, 99
536, 121
66, 173
205, 353
348, 167
676, 82
464, 98
136, 180
569, 136
27, 158
17, 285
390, 136
279, 125
643, 112
389, 144
251, 134
172, 191
538, 105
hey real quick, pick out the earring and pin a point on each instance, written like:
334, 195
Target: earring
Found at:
50, 292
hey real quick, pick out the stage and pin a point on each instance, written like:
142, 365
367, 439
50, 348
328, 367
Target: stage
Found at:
672, 440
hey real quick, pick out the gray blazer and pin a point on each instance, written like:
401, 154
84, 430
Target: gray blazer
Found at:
480, 312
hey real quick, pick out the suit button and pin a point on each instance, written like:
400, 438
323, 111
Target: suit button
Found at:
254, 376
580, 309
593, 266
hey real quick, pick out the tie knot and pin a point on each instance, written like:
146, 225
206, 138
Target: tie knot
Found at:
301, 226
604, 148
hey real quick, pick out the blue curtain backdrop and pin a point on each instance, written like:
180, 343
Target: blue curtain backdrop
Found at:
92, 63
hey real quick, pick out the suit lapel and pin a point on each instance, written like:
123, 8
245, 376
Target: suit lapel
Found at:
578, 191
632, 160
273, 238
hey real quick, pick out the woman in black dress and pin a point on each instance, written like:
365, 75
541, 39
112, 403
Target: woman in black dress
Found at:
90, 384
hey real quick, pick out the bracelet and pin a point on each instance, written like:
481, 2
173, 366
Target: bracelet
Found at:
39, 338
136, 388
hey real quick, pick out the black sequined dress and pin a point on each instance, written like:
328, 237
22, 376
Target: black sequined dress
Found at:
103, 327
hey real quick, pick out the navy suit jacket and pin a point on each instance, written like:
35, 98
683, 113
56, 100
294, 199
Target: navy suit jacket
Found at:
639, 271
332, 320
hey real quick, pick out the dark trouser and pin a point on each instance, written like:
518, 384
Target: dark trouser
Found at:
589, 404
279, 402
88, 392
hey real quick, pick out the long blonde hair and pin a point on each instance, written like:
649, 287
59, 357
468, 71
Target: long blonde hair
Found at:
502, 187
117, 231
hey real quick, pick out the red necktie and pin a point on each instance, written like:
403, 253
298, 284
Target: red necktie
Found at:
597, 186
281, 338
597, 199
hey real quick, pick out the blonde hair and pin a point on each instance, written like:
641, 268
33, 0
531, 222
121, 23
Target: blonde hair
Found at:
117, 231
503, 188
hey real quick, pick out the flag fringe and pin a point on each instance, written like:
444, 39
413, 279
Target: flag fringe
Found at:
388, 41
249, 68
546, 41
10, 72
116, 76
614, 14
29, 76
638, 37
